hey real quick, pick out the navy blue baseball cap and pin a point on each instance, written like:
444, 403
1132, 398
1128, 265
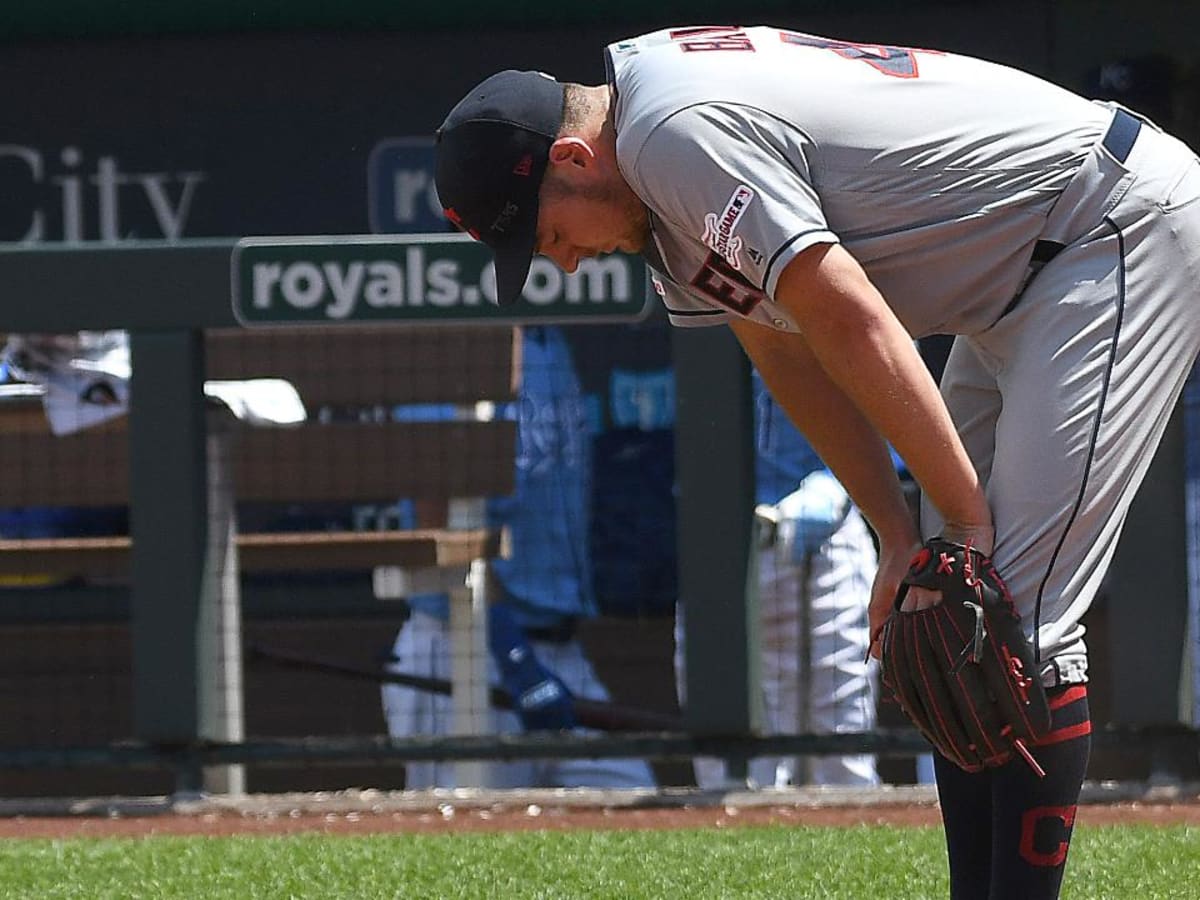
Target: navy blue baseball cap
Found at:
492, 152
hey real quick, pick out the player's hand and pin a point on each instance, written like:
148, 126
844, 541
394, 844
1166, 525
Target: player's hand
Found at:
894, 561
978, 537
546, 705
893, 567
540, 699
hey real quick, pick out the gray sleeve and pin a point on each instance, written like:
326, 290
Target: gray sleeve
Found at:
738, 181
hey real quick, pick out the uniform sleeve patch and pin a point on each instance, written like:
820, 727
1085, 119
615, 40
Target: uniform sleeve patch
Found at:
719, 228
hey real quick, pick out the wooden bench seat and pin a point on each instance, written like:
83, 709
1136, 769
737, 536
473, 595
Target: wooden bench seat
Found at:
298, 551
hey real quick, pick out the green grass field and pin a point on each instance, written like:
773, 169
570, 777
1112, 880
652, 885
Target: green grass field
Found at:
1128, 863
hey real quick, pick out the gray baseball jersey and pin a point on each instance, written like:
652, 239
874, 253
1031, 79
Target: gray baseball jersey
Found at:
936, 171
947, 178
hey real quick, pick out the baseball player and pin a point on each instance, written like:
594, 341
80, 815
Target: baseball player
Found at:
831, 201
544, 589
816, 561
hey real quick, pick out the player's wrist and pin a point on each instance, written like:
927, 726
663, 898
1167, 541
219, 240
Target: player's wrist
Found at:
981, 537
897, 534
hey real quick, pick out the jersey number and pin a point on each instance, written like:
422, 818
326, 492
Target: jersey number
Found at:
899, 62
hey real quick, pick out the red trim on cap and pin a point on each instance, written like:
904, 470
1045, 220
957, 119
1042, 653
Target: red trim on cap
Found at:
454, 217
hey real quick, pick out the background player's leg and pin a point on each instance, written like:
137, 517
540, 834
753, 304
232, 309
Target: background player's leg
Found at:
421, 648
570, 663
783, 659
842, 692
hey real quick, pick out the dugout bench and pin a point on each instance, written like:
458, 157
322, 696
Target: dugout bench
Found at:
346, 452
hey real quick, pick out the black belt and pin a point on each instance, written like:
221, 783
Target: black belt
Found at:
1121, 135
1043, 252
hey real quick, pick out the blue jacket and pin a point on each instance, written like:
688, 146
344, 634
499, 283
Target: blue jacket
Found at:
783, 457
548, 575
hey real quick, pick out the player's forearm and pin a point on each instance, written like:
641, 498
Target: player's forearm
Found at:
863, 348
888, 381
859, 458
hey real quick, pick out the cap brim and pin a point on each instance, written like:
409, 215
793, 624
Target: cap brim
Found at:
513, 259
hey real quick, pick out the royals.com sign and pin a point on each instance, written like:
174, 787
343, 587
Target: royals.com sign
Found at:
419, 278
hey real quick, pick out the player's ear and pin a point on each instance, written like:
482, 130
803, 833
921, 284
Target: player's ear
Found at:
572, 151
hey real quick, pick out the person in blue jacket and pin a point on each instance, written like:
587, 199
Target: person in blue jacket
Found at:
545, 591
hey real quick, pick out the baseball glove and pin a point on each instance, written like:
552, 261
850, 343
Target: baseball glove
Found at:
962, 670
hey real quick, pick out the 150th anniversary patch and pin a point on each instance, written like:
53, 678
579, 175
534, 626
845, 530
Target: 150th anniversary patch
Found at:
719, 228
